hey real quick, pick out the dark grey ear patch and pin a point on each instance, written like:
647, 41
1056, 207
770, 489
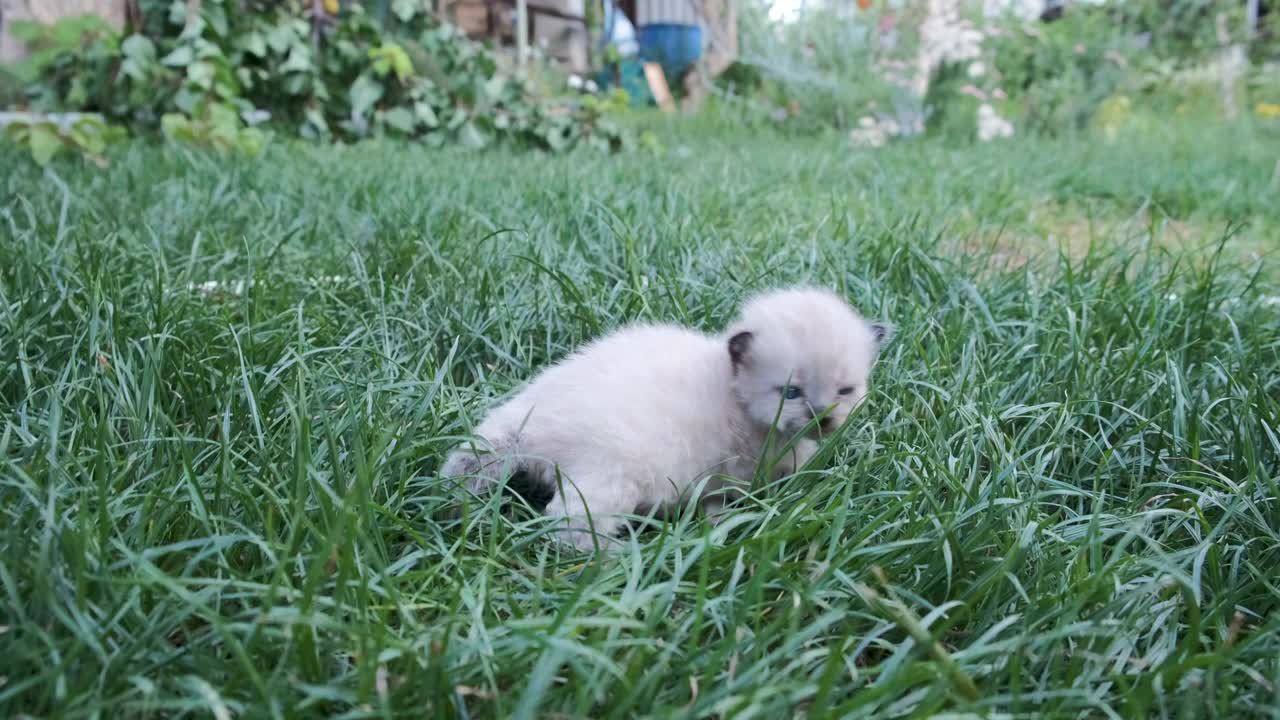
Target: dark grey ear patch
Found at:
882, 332
738, 346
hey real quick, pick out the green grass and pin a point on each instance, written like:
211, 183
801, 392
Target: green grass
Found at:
1061, 497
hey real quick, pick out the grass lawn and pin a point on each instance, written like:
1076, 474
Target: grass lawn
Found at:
1062, 496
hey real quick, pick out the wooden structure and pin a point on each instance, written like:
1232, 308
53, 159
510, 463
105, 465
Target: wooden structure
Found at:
557, 28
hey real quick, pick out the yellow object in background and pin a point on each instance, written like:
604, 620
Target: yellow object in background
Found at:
1268, 109
331, 6
1113, 114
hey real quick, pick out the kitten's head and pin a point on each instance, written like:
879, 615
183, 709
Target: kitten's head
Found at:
801, 354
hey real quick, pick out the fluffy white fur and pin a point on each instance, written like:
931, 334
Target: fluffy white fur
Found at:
631, 422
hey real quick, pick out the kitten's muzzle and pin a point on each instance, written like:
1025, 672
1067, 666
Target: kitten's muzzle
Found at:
825, 422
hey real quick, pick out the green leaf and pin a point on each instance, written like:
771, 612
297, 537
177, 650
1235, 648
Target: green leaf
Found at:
471, 136
88, 134
555, 137
139, 48
77, 92
401, 64
180, 57
299, 59
18, 132
139, 56
347, 49
193, 29
315, 123
494, 87
222, 138
217, 16
404, 9
297, 84
399, 119
28, 31
223, 117
200, 74
206, 50
71, 32
252, 141
254, 44
426, 114
365, 91
26, 72
176, 127
114, 134
281, 37
391, 58
186, 100
45, 142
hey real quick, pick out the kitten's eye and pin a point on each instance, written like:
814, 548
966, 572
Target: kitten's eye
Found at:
791, 392
846, 390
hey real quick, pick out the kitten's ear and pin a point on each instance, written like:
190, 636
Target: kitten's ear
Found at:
739, 345
882, 332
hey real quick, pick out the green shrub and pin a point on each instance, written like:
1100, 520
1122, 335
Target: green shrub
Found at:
330, 77
1060, 73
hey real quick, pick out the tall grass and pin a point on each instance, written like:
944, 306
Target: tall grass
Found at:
1060, 498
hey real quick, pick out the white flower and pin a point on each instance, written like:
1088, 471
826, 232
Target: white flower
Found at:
875, 132
991, 125
944, 37
977, 69
868, 137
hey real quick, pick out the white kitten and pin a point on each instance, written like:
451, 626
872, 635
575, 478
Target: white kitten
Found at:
630, 422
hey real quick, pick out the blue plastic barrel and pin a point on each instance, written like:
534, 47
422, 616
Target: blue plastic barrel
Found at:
675, 47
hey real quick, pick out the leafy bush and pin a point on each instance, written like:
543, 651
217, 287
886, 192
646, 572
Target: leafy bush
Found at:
1061, 72
1181, 29
1062, 75
232, 63
87, 136
46, 44
214, 125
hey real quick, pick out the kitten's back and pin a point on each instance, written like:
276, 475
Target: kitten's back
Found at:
655, 396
